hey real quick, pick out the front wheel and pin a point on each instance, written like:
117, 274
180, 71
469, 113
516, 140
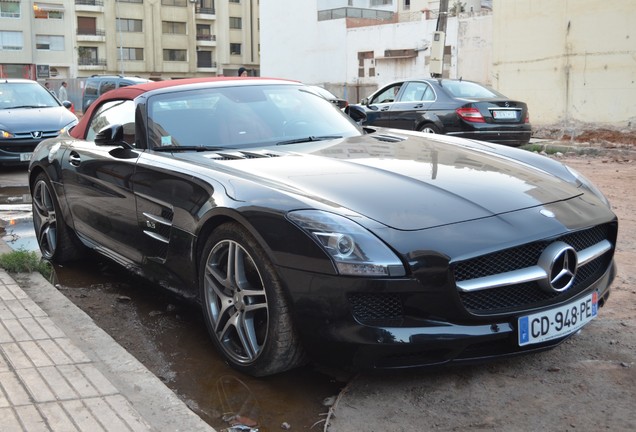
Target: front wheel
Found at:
430, 128
244, 306
57, 241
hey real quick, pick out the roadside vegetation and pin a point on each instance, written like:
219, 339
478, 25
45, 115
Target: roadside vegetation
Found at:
22, 261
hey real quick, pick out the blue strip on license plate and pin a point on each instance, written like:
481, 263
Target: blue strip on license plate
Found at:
557, 322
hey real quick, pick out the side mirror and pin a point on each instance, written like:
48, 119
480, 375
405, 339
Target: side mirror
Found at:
67, 104
112, 135
357, 113
365, 102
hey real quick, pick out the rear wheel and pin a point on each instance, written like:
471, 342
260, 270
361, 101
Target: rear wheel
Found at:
429, 128
57, 241
245, 310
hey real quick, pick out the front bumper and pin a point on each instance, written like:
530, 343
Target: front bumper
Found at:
332, 334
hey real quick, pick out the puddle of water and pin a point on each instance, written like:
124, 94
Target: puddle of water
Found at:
18, 233
15, 195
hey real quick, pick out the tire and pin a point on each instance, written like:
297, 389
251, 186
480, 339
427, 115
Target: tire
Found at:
244, 306
58, 243
429, 128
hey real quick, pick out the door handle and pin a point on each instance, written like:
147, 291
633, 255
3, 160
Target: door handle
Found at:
74, 159
386, 108
418, 106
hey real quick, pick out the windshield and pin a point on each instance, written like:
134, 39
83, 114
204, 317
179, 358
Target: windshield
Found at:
25, 95
243, 116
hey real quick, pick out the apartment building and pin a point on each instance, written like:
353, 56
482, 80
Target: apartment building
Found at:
157, 39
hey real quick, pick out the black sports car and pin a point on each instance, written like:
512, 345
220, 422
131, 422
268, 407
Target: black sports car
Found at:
303, 236
460, 108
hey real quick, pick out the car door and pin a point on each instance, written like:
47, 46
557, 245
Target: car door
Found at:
98, 187
415, 99
379, 106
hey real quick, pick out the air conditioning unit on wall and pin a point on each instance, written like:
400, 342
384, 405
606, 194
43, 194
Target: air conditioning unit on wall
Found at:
436, 65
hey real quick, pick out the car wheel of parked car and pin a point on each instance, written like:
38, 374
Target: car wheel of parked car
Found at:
56, 240
245, 310
429, 128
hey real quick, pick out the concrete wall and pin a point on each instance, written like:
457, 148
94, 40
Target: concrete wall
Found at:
572, 61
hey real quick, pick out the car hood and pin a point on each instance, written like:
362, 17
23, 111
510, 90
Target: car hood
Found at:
409, 184
20, 120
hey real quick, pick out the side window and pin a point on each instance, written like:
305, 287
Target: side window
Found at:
416, 92
114, 112
91, 88
429, 94
388, 95
107, 85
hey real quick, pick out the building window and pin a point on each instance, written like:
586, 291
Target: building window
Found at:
204, 32
129, 25
204, 59
174, 2
87, 56
86, 26
235, 1
130, 1
407, 4
235, 49
172, 27
9, 9
49, 43
48, 11
130, 53
236, 23
175, 55
11, 41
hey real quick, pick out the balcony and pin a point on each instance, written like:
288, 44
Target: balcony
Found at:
91, 64
94, 35
89, 6
204, 13
206, 40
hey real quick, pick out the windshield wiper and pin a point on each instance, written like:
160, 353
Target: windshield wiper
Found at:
309, 139
24, 106
189, 148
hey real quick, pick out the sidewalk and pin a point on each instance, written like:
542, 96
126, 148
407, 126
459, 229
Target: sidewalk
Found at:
60, 372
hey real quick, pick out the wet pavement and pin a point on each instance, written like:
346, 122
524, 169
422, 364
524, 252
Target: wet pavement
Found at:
169, 337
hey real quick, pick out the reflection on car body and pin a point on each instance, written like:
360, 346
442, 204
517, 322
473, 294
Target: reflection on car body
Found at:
302, 235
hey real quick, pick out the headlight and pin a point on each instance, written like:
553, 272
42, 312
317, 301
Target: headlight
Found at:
5, 134
586, 184
355, 251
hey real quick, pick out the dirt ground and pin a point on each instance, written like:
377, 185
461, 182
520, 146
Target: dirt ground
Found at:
587, 383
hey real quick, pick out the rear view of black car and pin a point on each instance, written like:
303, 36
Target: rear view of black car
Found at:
453, 107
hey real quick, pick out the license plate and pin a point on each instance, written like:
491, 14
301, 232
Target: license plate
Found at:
505, 115
557, 322
25, 157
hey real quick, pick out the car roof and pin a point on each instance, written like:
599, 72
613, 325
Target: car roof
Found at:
134, 91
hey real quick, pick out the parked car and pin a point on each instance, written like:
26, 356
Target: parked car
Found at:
442, 106
303, 236
29, 113
339, 102
97, 85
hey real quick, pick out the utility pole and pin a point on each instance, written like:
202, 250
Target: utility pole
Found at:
436, 66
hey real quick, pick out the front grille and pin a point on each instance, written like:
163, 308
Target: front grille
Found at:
527, 295
377, 309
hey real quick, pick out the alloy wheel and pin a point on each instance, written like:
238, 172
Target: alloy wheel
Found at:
45, 219
236, 301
